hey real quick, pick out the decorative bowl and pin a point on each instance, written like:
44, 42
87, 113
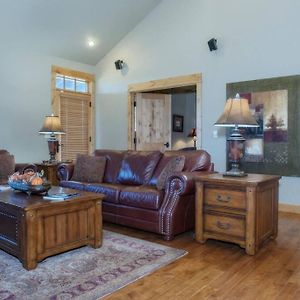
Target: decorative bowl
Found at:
29, 188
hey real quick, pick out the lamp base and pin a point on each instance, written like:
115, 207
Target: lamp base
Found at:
235, 174
235, 171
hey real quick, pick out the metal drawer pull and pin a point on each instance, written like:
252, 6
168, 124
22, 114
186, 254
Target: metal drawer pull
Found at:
221, 225
223, 199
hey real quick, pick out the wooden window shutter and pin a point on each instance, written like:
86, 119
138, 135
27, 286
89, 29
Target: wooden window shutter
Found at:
74, 117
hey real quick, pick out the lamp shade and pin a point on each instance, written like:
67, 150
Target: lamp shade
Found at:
236, 114
51, 126
193, 133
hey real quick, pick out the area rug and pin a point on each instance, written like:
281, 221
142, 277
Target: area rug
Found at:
85, 273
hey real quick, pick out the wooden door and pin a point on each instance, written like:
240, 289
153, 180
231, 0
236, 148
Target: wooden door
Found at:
153, 121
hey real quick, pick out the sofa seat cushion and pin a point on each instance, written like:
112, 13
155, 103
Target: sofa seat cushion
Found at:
143, 196
73, 185
138, 167
111, 191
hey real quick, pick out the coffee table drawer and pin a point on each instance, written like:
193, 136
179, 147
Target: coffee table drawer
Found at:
222, 197
225, 224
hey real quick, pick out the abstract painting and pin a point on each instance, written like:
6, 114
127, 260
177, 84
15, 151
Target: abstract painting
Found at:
274, 146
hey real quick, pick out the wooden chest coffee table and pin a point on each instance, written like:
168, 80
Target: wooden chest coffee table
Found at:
32, 228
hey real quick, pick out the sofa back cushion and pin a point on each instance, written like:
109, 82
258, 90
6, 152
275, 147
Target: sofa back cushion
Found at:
114, 160
89, 168
7, 167
196, 160
138, 167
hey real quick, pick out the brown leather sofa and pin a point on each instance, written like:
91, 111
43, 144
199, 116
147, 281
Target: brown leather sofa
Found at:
132, 198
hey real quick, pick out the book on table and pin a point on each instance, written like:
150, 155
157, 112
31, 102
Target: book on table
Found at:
60, 193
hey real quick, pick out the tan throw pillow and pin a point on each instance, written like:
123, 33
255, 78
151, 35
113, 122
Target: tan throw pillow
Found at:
176, 164
89, 168
7, 166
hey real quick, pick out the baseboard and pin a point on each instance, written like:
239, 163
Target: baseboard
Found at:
290, 208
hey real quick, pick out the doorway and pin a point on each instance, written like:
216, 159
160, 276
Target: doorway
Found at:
156, 124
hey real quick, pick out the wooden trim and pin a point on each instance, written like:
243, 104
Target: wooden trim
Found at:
161, 84
167, 83
73, 73
290, 208
55, 98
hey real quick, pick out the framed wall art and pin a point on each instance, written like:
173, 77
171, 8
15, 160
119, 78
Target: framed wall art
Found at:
177, 123
273, 147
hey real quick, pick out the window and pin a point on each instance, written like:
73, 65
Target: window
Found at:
74, 118
71, 84
73, 98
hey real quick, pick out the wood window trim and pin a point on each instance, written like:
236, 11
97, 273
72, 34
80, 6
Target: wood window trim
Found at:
163, 84
55, 95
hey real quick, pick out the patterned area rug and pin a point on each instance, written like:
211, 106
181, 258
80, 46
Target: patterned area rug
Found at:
84, 273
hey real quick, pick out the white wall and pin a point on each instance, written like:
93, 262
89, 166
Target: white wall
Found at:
25, 84
257, 39
185, 105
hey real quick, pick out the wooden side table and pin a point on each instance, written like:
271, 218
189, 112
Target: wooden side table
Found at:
49, 171
238, 210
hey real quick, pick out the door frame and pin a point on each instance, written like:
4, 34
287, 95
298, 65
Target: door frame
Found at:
162, 84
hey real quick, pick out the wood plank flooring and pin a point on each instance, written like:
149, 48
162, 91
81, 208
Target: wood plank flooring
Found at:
218, 270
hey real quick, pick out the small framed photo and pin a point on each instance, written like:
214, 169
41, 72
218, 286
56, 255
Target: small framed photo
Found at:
177, 123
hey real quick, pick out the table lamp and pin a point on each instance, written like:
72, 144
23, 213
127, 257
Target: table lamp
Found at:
193, 134
52, 127
236, 114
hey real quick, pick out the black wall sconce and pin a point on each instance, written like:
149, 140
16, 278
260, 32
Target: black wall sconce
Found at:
212, 44
119, 64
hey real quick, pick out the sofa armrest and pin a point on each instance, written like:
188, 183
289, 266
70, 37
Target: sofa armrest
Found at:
184, 182
65, 171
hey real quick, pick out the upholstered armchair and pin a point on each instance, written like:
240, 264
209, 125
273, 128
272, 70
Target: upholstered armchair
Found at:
8, 166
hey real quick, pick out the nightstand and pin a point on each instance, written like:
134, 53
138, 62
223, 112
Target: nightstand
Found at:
49, 171
238, 210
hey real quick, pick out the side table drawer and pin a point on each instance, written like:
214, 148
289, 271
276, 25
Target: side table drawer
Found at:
225, 224
223, 197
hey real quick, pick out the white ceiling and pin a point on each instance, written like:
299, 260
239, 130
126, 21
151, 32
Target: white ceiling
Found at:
62, 27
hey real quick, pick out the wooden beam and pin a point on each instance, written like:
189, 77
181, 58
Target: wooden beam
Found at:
166, 83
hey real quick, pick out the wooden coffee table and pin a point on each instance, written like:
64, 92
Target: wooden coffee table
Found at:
32, 228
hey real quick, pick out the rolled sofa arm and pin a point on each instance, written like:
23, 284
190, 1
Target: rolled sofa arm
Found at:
184, 182
65, 171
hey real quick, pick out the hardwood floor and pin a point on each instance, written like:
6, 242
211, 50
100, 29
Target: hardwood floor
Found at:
218, 270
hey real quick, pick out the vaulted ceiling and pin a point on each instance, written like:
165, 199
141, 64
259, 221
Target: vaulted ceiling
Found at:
63, 27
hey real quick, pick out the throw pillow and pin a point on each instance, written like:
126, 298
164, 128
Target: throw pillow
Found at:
89, 168
176, 164
7, 166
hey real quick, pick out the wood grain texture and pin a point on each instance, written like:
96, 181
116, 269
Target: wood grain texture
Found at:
239, 210
56, 100
218, 270
153, 121
49, 227
165, 84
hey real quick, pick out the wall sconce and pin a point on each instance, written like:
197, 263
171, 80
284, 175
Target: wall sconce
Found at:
119, 64
212, 44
